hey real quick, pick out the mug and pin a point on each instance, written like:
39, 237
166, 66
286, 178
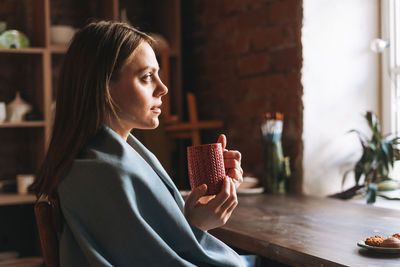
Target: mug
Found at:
206, 166
23, 183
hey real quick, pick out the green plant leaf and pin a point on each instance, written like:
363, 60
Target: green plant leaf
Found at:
372, 146
391, 156
382, 179
396, 154
361, 137
383, 155
371, 193
345, 175
358, 171
387, 146
378, 155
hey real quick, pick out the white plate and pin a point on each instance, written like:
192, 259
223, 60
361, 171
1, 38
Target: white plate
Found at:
378, 249
250, 191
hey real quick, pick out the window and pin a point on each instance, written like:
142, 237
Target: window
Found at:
390, 18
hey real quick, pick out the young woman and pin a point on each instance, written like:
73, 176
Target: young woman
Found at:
120, 207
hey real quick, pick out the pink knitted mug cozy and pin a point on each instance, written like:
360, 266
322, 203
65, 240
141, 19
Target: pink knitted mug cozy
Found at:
206, 166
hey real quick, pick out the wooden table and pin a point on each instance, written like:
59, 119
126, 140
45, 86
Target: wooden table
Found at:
302, 230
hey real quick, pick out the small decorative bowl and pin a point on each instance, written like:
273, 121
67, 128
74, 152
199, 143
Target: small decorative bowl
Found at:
61, 34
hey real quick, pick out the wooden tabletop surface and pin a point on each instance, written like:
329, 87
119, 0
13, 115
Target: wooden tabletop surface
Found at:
312, 231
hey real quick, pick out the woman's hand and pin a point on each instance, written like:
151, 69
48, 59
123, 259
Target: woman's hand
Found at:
232, 161
208, 212
214, 211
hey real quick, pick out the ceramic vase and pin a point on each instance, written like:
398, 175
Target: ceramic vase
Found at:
17, 109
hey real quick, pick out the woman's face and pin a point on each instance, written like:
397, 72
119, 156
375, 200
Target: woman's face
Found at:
139, 89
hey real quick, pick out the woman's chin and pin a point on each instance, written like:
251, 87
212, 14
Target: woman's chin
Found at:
148, 124
153, 125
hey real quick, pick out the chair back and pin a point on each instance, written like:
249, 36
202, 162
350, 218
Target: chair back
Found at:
48, 219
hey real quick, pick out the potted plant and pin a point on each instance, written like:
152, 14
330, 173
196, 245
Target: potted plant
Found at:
371, 171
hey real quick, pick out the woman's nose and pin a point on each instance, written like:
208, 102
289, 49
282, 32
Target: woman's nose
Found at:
161, 89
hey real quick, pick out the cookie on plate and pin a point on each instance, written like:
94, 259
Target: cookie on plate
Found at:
396, 235
391, 242
375, 241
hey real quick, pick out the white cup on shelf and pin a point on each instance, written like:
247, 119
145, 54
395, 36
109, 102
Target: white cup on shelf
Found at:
61, 34
3, 112
23, 183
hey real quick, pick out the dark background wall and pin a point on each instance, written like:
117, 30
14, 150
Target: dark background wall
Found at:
243, 58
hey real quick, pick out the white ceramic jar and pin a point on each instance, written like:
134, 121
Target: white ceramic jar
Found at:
3, 113
17, 109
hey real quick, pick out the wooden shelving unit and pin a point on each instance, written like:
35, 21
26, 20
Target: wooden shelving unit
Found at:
23, 124
58, 49
33, 71
30, 50
16, 199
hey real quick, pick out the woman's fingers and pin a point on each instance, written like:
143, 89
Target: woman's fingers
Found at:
215, 212
232, 200
195, 195
234, 203
232, 163
222, 140
222, 196
230, 166
236, 175
205, 199
229, 210
233, 154
233, 168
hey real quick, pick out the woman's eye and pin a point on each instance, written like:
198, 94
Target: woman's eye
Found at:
147, 77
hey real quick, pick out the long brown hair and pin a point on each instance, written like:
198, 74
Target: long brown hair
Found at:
94, 58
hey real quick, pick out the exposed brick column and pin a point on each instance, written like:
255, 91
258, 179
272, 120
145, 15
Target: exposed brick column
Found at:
247, 58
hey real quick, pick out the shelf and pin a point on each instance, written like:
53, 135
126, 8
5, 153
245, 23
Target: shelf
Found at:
24, 261
187, 126
14, 199
30, 50
58, 49
22, 124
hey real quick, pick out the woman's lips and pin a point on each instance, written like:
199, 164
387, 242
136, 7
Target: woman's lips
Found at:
156, 109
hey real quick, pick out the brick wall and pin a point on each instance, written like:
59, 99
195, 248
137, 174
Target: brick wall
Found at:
245, 60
